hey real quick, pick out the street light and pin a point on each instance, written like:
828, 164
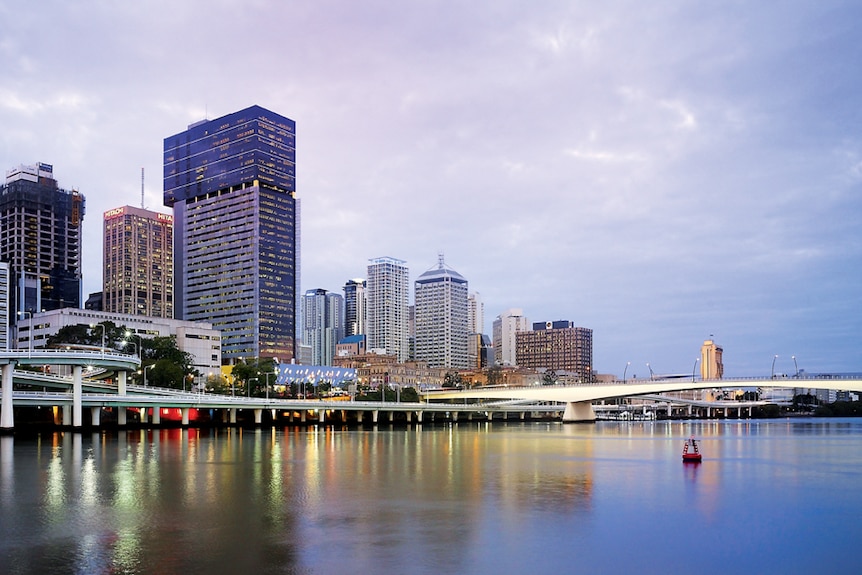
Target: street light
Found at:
101, 325
795, 366
693, 369
628, 363
140, 343
146, 367
651, 374
773, 365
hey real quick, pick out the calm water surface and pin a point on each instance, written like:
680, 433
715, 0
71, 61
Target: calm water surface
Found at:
780, 496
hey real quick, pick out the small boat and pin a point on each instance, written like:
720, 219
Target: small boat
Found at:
691, 453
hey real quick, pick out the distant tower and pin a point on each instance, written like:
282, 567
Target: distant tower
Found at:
387, 314
354, 307
323, 324
506, 326
40, 239
711, 364
475, 313
138, 267
556, 345
441, 318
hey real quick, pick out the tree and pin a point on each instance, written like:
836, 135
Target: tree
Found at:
166, 373
251, 375
549, 377
495, 375
452, 379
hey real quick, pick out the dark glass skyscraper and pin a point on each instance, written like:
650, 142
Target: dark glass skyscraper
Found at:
40, 239
231, 183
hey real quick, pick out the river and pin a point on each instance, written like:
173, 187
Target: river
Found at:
771, 496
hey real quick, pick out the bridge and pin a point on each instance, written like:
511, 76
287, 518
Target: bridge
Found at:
579, 398
576, 401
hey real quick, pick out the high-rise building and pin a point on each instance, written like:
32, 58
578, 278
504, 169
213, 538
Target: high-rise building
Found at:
475, 313
505, 327
711, 363
231, 183
557, 345
40, 239
387, 310
323, 324
354, 307
441, 318
4, 305
138, 268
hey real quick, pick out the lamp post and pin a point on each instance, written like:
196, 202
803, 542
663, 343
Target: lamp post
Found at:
628, 363
101, 325
773, 365
795, 366
140, 343
651, 374
29, 332
694, 369
146, 367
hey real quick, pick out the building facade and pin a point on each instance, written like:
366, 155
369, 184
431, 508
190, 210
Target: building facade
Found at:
506, 325
40, 239
711, 361
354, 307
441, 318
138, 266
387, 311
475, 313
323, 324
231, 184
558, 346
197, 338
4, 305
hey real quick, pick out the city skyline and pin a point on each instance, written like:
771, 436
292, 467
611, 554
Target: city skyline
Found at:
664, 174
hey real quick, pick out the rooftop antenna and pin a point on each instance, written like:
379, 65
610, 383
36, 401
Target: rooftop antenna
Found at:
440, 261
143, 207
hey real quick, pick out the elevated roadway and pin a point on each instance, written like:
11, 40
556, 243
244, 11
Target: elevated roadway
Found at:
578, 398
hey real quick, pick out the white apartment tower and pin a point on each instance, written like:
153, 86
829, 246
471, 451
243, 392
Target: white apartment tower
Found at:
506, 326
4, 305
441, 318
475, 313
387, 293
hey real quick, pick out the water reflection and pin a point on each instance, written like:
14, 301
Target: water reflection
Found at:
471, 497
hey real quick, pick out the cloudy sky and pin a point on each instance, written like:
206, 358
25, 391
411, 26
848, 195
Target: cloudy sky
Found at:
660, 172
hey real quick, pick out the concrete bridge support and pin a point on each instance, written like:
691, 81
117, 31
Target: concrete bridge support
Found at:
581, 411
375, 416
122, 417
67, 415
258, 417
455, 417
157, 415
419, 416
359, 415
321, 416
185, 412
95, 416
77, 386
232, 416
7, 419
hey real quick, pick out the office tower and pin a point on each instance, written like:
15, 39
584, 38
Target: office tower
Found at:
231, 184
386, 313
711, 364
475, 313
40, 239
4, 305
558, 346
441, 317
505, 327
323, 324
138, 268
354, 307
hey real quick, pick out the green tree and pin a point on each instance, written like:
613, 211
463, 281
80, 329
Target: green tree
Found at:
549, 377
166, 373
452, 379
